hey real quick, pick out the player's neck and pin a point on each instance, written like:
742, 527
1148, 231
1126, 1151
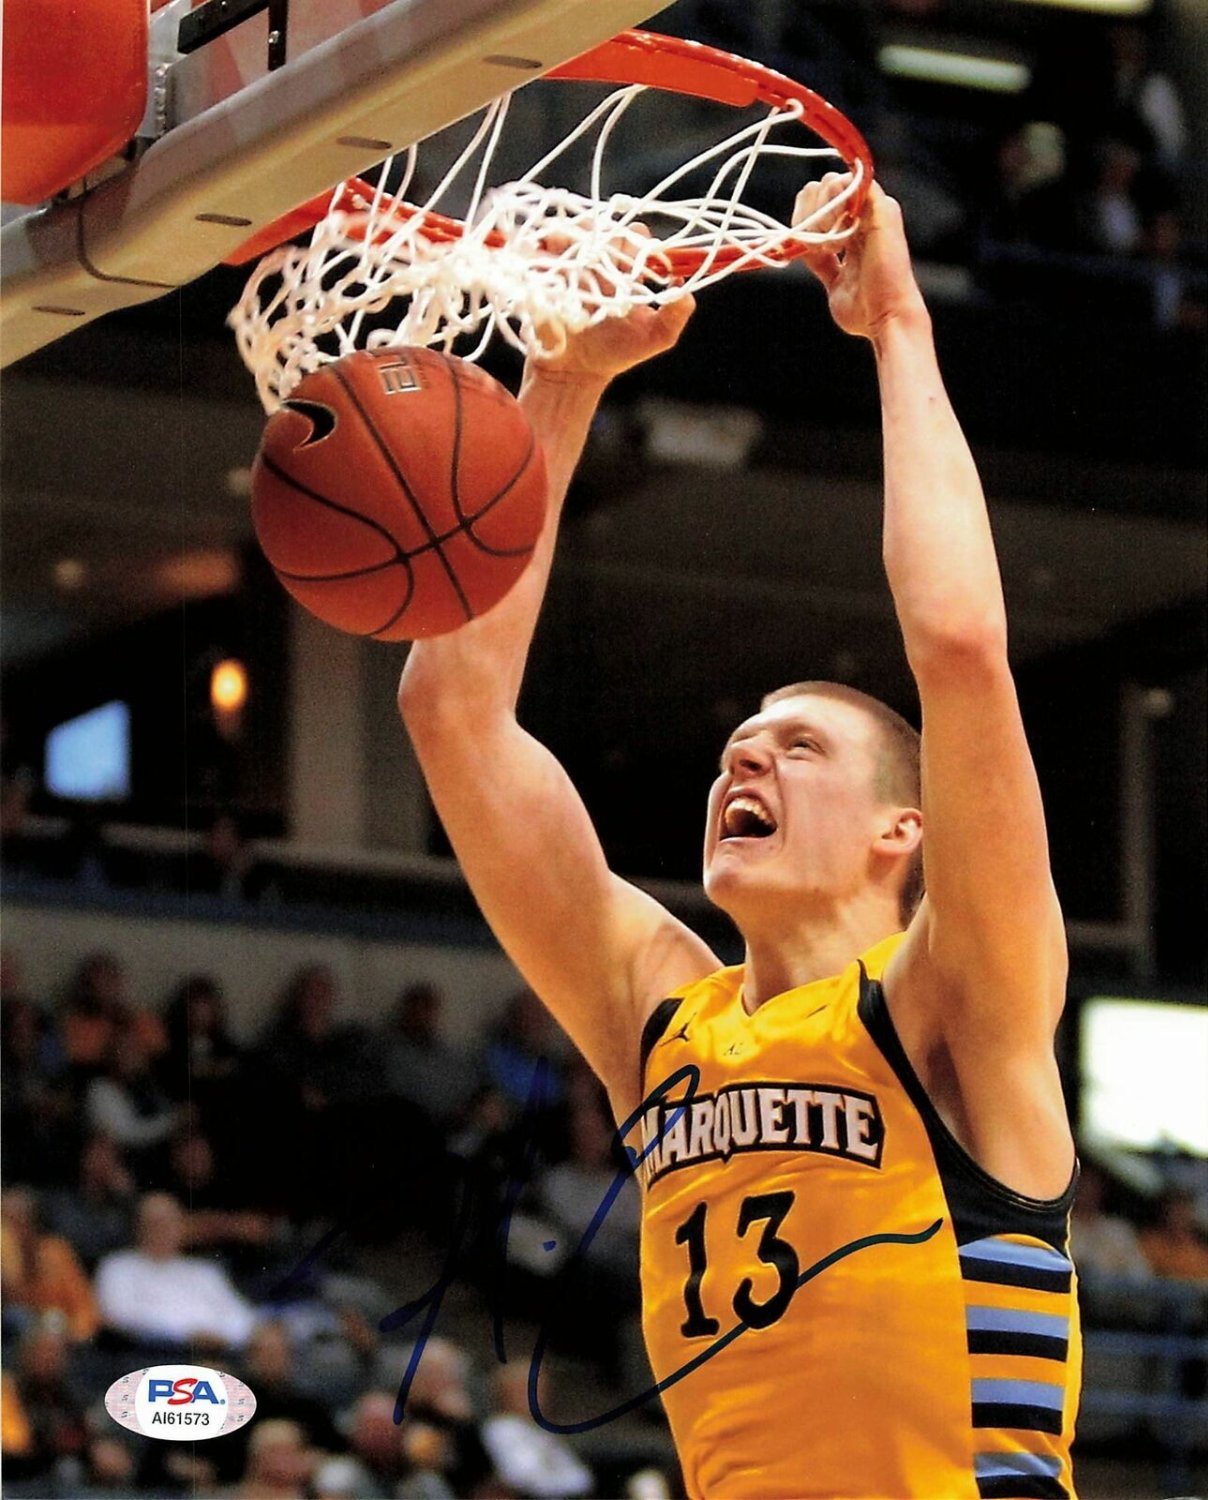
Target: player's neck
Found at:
779, 959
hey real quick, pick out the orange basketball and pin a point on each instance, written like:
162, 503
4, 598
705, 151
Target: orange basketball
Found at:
398, 493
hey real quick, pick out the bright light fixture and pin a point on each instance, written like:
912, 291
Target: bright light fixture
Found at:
228, 686
1103, 7
70, 574
931, 65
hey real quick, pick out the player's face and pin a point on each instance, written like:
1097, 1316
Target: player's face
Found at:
794, 810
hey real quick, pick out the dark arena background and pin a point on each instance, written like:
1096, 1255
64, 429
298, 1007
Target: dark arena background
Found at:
248, 1004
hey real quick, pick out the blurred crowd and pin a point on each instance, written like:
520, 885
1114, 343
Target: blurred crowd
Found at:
171, 1194
1125, 1240
1081, 185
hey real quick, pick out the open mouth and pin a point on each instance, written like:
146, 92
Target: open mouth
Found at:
744, 818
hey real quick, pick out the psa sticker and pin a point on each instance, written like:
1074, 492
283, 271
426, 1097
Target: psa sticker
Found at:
180, 1403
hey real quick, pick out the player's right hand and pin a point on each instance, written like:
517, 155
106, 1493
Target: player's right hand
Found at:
606, 349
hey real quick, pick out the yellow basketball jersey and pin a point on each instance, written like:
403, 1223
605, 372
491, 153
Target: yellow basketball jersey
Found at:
837, 1300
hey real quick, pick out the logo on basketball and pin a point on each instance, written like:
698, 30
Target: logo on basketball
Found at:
322, 419
180, 1403
398, 378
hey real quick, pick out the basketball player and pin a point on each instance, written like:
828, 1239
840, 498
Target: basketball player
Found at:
857, 1172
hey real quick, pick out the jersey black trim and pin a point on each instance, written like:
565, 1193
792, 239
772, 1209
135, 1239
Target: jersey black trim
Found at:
1001, 1273
1021, 1487
1003, 1341
981, 1206
1017, 1417
657, 1023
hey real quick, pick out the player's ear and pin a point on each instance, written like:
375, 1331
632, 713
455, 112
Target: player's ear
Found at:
901, 833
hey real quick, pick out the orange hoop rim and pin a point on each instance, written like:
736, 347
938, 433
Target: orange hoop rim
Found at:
672, 64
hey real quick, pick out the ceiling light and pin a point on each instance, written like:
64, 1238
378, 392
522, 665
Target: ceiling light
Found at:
193, 575
930, 65
1103, 7
228, 686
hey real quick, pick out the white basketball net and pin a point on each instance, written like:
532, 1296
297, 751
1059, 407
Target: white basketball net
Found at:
534, 264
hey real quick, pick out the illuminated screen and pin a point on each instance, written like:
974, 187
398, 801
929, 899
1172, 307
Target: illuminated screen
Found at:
88, 758
1145, 1074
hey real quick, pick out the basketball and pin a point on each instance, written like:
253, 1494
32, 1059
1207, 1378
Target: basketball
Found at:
398, 493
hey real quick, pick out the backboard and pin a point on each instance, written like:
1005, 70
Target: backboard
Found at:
229, 144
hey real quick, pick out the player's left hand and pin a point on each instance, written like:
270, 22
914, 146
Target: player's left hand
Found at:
868, 276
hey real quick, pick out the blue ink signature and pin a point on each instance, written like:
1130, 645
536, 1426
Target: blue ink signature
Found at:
691, 1075
429, 1303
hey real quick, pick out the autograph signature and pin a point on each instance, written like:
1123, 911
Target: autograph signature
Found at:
426, 1308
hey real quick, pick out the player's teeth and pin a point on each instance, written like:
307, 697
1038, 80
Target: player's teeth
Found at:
746, 806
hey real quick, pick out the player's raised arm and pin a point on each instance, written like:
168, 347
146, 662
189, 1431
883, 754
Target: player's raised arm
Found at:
594, 948
988, 939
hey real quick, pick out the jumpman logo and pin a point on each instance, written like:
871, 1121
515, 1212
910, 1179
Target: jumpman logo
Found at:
678, 1036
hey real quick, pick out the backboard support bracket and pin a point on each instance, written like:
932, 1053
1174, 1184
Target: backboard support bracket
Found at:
215, 18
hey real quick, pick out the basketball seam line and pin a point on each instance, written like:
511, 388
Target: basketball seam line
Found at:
349, 575
400, 555
278, 472
469, 522
438, 540
406, 488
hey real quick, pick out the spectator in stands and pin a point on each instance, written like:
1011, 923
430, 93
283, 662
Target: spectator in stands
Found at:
1178, 297
1174, 1245
96, 1214
278, 1463
1144, 102
41, 1273
441, 1436
37, 1114
84, 855
25, 1023
604, 1284
1030, 205
1108, 210
110, 1469
319, 1117
125, 1101
16, 787
377, 1445
44, 1425
216, 1219
1104, 1244
225, 866
203, 1058
420, 1066
532, 1462
523, 1037
206, 1068
338, 1478
97, 1011
321, 1059
157, 1301
269, 1367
